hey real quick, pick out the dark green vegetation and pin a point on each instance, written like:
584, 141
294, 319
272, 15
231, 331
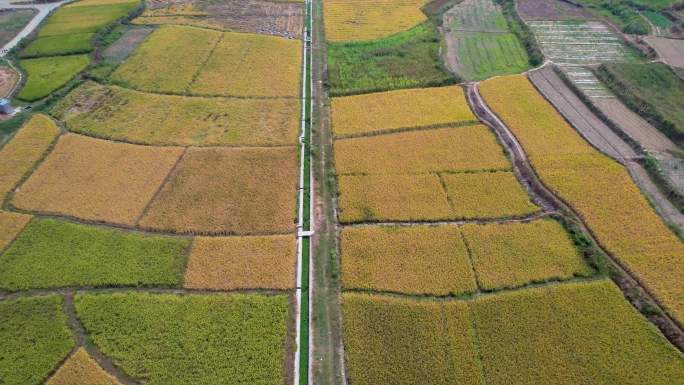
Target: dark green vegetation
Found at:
47, 74
12, 21
518, 27
658, 19
192, 339
54, 253
35, 338
405, 60
623, 13
652, 90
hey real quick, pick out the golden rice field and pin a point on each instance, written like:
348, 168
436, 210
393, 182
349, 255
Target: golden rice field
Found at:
244, 191
366, 20
486, 195
453, 260
80, 368
370, 198
168, 60
413, 260
97, 179
438, 150
404, 341
395, 110
127, 115
24, 150
508, 255
586, 332
10, 225
228, 263
251, 65
222, 64
599, 189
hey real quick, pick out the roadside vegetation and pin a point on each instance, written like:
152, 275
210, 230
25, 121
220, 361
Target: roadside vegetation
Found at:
652, 90
600, 189
12, 21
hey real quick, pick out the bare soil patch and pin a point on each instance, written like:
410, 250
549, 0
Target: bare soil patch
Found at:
123, 47
266, 17
8, 79
551, 10
670, 50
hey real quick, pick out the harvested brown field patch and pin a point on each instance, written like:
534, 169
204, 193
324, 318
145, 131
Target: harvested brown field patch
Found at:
365, 20
24, 150
228, 263
8, 79
414, 260
446, 149
551, 10
139, 117
80, 368
393, 110
507, 255
10, 225
368, 198
228, 191
96, 179
251, 65
127, 43
279, 18
168, 60
487, 195
671, 50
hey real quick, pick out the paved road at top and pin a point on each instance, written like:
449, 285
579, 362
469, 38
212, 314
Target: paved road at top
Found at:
43, 11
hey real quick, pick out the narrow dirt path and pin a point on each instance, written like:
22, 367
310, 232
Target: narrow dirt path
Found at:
638, 296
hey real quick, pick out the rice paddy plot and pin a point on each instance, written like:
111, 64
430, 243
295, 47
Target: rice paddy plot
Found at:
580, 43
476, 16
447, 149
10, 225
228, 263
50, 253
396, 110
35, 338
80, 368
127, 115
365, 20
220, 191
47, 74
414, 260
163, 339
97, 180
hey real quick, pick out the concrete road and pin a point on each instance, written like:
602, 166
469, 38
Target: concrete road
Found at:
43, 11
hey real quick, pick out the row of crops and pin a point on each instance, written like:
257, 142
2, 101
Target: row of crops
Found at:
151, 229
452, 269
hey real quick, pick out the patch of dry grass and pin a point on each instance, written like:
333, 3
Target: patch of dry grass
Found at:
80, 368
10, 225
96, 179
244, 191
227, 263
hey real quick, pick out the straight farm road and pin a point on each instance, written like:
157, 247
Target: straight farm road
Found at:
43, 11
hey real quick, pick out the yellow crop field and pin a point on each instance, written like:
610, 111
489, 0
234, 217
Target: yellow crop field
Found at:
404, 342
96, 179
537, 336
10, 225
587, 332
251, 65
599, 189
415, 260
508, 255
168, 60
80, 368
395, 110
122, 114
228, 263
487, 195
446, 149
26, 148
246, 191
365, 20
367, 198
